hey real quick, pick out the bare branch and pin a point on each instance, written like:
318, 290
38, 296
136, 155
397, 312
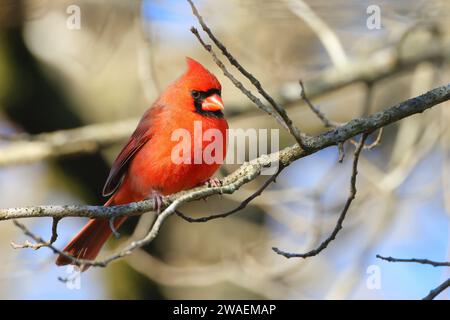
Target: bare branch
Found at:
343, 214
435, 292
421, 261
383, 64
377, 140
39, 241
236, 82
332, 124
327, 123
87, 139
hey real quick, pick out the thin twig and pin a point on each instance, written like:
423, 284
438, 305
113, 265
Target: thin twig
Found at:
421, 261
39, 241
327, 123
374, 143
236, 82
343, 214
54, 236
42, 243
377, 140
113, 228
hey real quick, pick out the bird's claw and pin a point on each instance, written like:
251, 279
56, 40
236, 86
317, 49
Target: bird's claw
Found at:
214, 182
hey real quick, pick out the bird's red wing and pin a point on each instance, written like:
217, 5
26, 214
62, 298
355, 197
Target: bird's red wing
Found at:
140, 136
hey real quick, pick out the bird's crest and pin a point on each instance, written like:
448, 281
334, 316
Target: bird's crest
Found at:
199, 77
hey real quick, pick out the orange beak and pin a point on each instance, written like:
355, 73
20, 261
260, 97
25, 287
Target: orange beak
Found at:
212, 103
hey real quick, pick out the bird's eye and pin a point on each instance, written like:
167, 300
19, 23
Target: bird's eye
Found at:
195, 94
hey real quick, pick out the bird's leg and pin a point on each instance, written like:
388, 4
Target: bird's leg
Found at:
158, 200
213, 182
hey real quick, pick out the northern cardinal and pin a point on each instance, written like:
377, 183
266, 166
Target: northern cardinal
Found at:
144, 168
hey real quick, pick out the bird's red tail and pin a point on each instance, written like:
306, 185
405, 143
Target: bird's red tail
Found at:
89, 241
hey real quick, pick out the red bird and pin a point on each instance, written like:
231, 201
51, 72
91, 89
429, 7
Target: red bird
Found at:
145, 168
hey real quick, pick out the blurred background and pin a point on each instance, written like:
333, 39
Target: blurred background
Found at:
355, 57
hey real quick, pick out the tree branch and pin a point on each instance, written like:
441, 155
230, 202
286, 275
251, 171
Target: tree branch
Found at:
435, 292
383, 64
39, 241
251, 169
87, 139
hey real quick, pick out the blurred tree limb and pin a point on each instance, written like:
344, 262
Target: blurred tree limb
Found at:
87, 139
36, 103
383, 64
325, 33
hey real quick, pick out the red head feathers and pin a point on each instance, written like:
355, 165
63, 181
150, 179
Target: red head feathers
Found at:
197, 87
199, 78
